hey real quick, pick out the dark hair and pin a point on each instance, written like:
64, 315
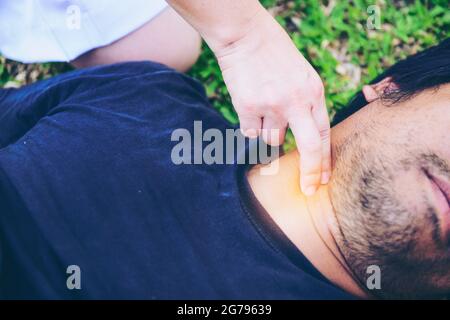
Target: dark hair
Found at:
426, 69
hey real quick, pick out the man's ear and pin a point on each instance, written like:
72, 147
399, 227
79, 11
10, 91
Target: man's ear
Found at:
374, 91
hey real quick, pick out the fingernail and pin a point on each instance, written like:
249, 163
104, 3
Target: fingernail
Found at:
309, 191
325, 178
251, 133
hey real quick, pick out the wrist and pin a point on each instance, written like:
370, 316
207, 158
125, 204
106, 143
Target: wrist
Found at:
225, 35
263, 35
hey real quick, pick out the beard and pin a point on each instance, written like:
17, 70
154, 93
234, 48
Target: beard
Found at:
378, 227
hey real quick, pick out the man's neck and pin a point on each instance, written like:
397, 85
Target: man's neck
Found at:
307, 222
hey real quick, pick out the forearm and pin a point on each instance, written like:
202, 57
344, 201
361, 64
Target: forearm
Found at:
220, 22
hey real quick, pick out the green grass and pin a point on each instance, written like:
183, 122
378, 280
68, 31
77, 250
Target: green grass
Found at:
332, 35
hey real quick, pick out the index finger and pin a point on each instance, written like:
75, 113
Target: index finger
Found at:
307, 137
322, 120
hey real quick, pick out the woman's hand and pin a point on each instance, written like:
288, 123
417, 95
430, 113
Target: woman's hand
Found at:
273, 86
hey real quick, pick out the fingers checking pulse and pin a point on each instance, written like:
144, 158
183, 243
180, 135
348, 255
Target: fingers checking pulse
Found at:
311, 129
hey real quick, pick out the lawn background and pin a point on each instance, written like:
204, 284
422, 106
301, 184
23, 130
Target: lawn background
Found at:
333, 35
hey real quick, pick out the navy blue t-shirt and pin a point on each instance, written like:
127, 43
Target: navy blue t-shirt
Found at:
86, 179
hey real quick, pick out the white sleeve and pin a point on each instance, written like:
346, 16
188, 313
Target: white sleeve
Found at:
61, 30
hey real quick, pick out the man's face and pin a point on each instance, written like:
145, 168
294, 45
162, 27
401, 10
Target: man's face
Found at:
414, 140
391, 191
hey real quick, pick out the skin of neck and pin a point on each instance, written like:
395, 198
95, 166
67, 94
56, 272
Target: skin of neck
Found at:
309, 222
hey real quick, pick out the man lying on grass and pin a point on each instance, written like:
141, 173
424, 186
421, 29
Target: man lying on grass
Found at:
88, 186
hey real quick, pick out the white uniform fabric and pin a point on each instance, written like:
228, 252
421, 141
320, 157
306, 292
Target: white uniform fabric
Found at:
62, 30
